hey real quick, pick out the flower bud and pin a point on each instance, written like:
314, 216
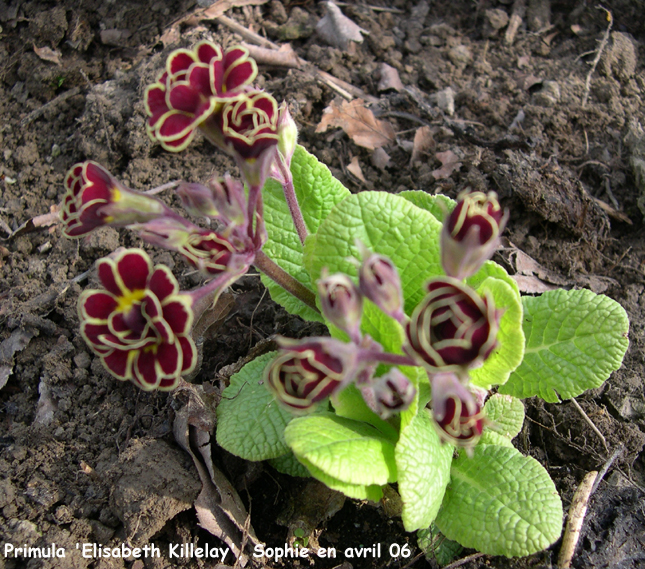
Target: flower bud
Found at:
471, 233
379, 281
392, 393
453, 328
458, 416
287, 134
307, 371
223, 199
342, 303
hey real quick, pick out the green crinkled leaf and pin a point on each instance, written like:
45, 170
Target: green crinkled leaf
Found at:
506, 414
288, 464
423, 466
574, 340
510, 350
492, 269
349, 403
386, 224
438, 205
500, 503
436, 546
250, 423
349, 451
490, 437
357, 491
317, 192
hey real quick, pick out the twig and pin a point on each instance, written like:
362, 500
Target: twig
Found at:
159, 189
577, 513
413, 560
607, 466
374, 9
601, 47
591, 423
464, 560
100, 105
247, 34
33, 115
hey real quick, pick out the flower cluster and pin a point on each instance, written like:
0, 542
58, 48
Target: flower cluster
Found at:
134, 325
451, 331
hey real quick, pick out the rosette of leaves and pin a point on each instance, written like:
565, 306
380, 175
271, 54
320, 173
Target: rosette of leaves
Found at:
555, 345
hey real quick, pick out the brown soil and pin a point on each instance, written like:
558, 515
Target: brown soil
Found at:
84, 458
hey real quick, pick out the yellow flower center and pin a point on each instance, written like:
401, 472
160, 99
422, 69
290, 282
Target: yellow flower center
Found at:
127, 300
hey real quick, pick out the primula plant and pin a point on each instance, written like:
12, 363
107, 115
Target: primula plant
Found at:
431, 346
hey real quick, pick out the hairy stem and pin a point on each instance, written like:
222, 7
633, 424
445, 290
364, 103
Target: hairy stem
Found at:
285, 280
292, 201
254, 193
386, 358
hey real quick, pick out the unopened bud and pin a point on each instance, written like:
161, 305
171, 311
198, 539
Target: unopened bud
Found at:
197, 199
287, 134
379, 281
471, 233
393, 393
342, 303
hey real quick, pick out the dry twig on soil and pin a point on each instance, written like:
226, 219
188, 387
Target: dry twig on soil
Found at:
601, 47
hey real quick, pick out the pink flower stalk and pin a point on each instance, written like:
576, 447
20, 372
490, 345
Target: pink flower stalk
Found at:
207, 250
140, 324
453, 328
471, 233
194, 87
308, 371
95, 198
458, 417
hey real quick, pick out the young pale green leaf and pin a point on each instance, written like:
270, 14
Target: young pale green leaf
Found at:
500, 503
371, 492
438, 205
492, 269
423, 466
250, 423
510, 350
575, 339
490, 437
386, 224
436, 546
317, 192
506, 414
288, 464
349, 451
349, 403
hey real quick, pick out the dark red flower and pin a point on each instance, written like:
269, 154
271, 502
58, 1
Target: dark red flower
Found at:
94, 198
194, 86
140, 324
308, 371
471, 233
458, 417
453, 328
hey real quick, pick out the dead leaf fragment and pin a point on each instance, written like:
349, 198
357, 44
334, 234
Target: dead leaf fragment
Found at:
380, 159
389, 78
423, 143
48, 54
449, 163
283, 57
358, 122
114, 37
337, 29
38, 222
355, 169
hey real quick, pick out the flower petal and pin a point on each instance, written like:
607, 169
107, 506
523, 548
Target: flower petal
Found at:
207, 51
189, 354
97, 305
134, 268
162, 283
169, 357
107, 276
145, 370
179, 61
119, 364
178, 314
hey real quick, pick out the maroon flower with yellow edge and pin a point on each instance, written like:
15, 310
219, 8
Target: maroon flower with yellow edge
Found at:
140, 324
308, 371
94, 198
458, 416
193, 87
471, 233
453, 328
249, 128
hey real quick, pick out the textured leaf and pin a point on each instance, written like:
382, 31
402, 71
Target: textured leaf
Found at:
250, 423
288, 464
372, 492
438, 205
506, 414
574, 340
349, 451
500, 503
386, 224
436, 546
423, 466
490, 437
317, 192
492, 269
508, 355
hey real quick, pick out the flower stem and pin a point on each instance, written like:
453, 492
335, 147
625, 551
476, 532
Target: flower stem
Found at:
254, 192
285, 280
386, 358
292, 200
